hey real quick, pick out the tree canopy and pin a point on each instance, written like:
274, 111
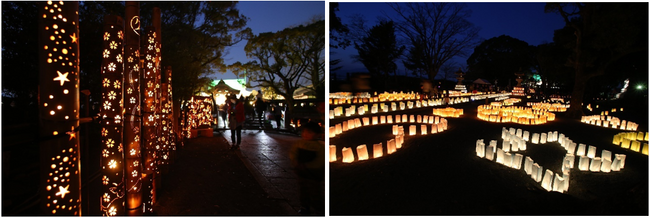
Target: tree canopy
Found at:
378, 50
500, 57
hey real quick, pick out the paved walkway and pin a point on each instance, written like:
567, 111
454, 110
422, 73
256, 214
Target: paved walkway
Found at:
266, 154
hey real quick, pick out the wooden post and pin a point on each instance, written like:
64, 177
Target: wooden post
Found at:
58, 58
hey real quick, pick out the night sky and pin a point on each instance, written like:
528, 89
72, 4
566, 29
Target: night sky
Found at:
271, 17
524, 21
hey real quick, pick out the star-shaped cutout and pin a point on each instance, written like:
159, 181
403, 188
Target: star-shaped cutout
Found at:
62, 77
72, 133
74, 37
63, 191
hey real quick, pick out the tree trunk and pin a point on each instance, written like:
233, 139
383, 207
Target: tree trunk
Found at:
288, 114
577, 95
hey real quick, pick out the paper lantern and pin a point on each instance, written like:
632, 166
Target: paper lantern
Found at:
398, 119
506, 145
537, 172
404, 118
423, 129
390, 146
338, 128
516, 161
591, 153
542, 139
635, 146
412, 130
375, 120
507, 159
526, 135
547, 180
344, 126
512, 130
595, 165
645, 148
362, 152
377, 150
393, 106
528, 165
332, 153
560, 139
606, 155
535, 138
412, 119
581, 150
382, 119
366, 121
621, 157
389, 119
348, 156
440, 127
519, 133
583, 164
357, 123
606, 165
500, 156
425, 119
434, 129
419, 119
399, 140
332, 132
480, 148
572, 147
395, 130
514, 144
558, 184
489, 152
437, 120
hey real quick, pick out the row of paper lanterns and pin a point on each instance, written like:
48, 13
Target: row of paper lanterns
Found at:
553, 107
340, 98
448, 112
521, 115
518, 91
493, 95
609, 122
512, 141
437, 124
383, 107
632, 141
344, 126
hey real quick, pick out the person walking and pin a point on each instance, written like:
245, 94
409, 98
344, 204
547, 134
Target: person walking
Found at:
260, 107
308, 160
236, 118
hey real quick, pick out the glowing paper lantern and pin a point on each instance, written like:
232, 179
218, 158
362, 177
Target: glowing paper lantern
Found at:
537, 172
434, 129
519, 133
405, 118
645, 148
423, 129
398, 119
338, 128
366, 121
374, 120
389, 119
635, 146
362, 152
516, 161
595, 165
535, 139
621, 157
583, 164
543, 138
506, 145
581, 150
606, 165
412, 130
412, 118
395, 130
344, 126
571, 148
507, 159
500, 156
348, 156
526, 135
528, 165
489, 152
425, 119
332, 153
332, 132
547, 180
480, 148
558, 184
382, 119
591, 153
390, 146
377, 150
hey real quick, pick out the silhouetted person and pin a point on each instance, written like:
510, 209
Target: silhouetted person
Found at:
260, 107
308, 160
236, 119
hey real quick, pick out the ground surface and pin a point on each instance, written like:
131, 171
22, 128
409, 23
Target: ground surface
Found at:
210, 179
440, 174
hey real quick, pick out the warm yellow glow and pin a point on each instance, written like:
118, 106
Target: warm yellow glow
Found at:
62, 77
112, 164
52, 113
63, 191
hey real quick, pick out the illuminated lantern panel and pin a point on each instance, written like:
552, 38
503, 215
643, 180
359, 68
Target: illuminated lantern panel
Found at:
390, 146
348, 156
332, 153
377, 150
362, 152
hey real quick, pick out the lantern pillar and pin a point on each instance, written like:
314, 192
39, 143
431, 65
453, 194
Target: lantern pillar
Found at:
132, 114
149, 138
111, 112
58, 58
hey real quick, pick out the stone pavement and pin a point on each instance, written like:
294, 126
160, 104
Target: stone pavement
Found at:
266, 154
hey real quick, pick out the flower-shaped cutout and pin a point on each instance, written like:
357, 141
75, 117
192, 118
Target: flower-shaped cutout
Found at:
107, 105
120, 34
129, 91
113, 45
106, 82
107, 36
111, 95
104, 132
119, 58
111, 66
130, 59
132, 100
105, 153
117, 84
112, 164
106, 53
110, 143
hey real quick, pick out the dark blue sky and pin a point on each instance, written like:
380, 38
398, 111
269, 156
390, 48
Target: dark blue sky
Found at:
524, 21
270, 17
